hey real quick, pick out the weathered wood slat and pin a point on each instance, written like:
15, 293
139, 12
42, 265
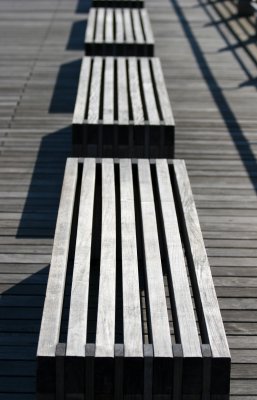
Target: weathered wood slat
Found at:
133, 343
160, 330
108, 108
51, 320
77, 329
135, 95
205, 296
52, 314
105, 333
95, 92
123, 107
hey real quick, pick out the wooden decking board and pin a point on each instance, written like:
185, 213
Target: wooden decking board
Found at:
35, 46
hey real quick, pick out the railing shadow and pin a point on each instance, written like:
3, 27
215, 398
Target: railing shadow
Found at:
233, 126
241, 29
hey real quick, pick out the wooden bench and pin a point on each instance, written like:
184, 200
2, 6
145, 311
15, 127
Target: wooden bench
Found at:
118, 3
119, 32
119, 320
122, 109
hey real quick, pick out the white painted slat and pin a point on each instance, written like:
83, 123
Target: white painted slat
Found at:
105, 332
51, 319
176, 265
77, 329
82, 95
210, 306
154, 278
132, 326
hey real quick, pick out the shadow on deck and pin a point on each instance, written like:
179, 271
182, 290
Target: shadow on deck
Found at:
237, 135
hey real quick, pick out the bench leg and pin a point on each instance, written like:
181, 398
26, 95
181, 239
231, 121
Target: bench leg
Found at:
244, 8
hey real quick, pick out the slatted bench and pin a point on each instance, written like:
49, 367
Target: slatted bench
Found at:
119, 32
119, 320
122, 109
118, 3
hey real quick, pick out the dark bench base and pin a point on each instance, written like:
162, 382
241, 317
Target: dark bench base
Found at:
123, 141
118, 3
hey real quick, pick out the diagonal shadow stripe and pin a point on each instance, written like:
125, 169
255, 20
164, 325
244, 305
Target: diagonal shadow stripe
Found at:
240, 141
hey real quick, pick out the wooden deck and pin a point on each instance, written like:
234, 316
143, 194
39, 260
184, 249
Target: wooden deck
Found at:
209, 60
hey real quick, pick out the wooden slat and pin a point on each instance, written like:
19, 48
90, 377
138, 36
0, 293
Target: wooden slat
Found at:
77, 328
176, 265
80, 107
95, 91
151, 107
101, 15
137, 107
123, 110
128, 26
207, 294
119, 26
168, 118
51, 319
132, 327
108, 109
109, 26
139, 36
107, 284
91, 25
149, 37
160, 329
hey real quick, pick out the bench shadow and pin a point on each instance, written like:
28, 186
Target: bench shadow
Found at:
232, 124
21, 308
77, 35
41, 204
65, 89
83, 6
